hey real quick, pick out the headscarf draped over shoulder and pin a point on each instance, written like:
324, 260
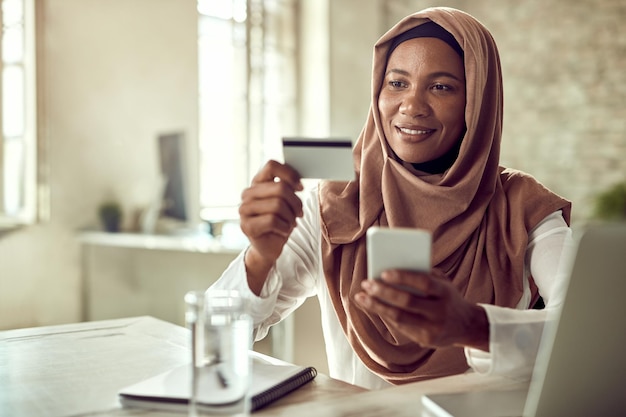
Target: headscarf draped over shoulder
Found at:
479, 213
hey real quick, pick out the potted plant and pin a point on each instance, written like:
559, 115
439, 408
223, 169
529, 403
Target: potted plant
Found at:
610, 204
110, 213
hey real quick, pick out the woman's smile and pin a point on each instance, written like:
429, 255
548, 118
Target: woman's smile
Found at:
414, 132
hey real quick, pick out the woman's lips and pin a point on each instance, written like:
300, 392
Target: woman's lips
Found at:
414, 131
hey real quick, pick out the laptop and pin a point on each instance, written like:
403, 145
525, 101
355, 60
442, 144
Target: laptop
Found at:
581, 368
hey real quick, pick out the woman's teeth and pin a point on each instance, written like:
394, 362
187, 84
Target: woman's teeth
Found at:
413, 131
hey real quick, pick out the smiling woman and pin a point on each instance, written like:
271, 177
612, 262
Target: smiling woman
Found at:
18, 143
437, 91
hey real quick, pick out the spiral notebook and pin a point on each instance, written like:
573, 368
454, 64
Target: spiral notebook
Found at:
169, 391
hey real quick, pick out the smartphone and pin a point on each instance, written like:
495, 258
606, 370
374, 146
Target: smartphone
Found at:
397, 248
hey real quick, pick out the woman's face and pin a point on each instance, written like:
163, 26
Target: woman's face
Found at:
422, 99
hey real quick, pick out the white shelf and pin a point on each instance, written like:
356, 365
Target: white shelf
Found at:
184, 243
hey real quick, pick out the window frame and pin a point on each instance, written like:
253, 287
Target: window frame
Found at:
270, 53
26, 207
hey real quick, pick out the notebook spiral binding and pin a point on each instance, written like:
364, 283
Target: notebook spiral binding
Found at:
261, 400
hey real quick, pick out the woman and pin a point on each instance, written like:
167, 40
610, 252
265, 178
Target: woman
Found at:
428, 157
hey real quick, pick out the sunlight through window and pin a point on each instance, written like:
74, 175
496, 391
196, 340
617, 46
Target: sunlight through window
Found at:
247, 94
17, 115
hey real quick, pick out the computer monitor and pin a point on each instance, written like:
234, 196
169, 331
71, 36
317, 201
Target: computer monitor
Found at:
172, 155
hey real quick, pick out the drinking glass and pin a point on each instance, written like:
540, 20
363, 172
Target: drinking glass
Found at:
221, 337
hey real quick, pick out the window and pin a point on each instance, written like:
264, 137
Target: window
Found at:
18, 145
247, 64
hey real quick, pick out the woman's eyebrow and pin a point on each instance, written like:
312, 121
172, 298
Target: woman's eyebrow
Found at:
432, 75
398, 71
446, 74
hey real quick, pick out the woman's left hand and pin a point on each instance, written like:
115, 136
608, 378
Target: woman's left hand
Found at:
426, 308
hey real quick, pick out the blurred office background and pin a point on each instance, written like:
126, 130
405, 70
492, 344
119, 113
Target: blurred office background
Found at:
96, 82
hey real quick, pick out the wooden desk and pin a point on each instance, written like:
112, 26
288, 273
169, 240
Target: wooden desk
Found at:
77, 369
399, 401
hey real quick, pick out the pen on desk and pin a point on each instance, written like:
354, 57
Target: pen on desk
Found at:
222, 379
216, 361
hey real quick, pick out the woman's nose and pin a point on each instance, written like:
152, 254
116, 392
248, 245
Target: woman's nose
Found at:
415, 105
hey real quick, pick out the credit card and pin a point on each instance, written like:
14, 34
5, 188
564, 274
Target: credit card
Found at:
320, 158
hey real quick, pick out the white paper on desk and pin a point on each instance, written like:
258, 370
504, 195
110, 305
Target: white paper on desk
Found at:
171, 390
475, 404
323, 158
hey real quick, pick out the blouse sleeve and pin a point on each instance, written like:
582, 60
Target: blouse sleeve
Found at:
515, 333
292, 279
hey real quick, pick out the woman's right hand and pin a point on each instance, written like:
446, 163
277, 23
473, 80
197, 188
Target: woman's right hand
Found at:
268, 212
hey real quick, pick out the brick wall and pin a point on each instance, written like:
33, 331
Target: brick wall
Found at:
564, 70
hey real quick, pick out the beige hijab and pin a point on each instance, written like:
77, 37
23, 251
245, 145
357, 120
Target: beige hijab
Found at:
479, 213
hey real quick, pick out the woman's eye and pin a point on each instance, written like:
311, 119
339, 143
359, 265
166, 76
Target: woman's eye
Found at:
396, 84
441, 87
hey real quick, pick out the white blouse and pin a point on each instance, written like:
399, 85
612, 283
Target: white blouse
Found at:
298, 274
